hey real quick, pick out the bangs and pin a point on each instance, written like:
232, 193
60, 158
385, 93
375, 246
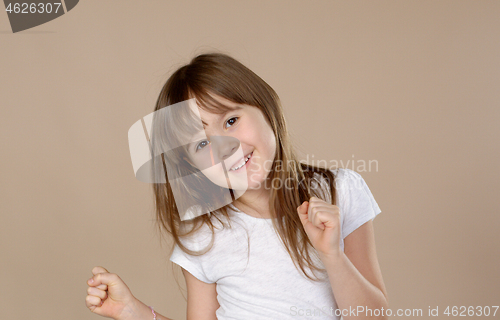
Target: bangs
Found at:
204, 99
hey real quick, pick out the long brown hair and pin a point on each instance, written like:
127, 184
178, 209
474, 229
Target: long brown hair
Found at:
220, 74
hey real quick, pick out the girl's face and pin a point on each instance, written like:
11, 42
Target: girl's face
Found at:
232, 138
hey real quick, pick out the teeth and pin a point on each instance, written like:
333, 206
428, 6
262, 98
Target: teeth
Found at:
244, 162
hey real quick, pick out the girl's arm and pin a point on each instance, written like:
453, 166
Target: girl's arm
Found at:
355, 276
201, 298
201, 302
143, 312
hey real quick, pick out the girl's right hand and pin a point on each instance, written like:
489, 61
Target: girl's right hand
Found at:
108, 295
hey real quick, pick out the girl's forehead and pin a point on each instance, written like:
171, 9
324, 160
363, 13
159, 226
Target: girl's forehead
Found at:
221, 99
205, 114
212, 102
201, 116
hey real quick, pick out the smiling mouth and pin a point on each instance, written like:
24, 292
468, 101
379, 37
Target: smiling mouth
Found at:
240, 164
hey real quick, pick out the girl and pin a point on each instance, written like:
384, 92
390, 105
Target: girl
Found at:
298, 243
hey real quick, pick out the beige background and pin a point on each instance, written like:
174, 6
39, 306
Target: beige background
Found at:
410, 84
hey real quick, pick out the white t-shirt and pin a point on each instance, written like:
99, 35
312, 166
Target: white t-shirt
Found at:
264, 283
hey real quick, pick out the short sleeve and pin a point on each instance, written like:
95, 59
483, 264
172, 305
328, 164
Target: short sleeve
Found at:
358, 204
193, 264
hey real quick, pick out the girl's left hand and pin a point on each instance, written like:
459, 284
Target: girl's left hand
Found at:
321, 222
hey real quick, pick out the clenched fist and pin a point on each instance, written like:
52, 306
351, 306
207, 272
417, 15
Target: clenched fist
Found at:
321, 221
109, 296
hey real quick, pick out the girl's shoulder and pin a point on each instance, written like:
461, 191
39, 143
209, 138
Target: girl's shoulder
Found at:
200, 236
343, 176
345, 181
348, 179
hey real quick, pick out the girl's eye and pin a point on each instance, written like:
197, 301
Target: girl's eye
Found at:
231, 121
202, 145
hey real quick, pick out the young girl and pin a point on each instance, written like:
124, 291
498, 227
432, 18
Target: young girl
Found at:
297, 243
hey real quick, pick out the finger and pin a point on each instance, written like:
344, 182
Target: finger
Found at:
321, 206
302, 209
311, 212
102, 278
103, 287
97, 270
92, 301
320, 218
96, 292
320, 214
316, 199
325, 208
326, 219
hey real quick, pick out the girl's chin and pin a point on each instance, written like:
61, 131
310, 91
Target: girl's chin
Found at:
238, 180
244, 183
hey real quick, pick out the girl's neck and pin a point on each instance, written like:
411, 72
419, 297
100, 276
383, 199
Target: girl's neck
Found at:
256, 203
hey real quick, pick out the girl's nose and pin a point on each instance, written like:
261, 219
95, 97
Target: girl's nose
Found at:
223, 147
